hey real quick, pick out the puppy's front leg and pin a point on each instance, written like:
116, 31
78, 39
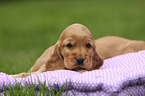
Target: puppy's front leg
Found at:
21, 75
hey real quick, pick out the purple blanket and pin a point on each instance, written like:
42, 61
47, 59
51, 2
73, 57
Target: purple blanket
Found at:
118, 76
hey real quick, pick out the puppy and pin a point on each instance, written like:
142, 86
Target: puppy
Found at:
74, 50
77, 50
111, 46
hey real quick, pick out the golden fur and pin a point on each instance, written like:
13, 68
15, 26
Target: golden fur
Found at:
76, 41
110, 46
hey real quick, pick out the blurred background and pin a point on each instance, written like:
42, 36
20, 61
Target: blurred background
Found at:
27, 28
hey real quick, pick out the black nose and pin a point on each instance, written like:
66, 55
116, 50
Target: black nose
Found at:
80, 60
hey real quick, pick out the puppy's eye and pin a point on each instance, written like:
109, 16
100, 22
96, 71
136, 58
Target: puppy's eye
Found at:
69, 45
88, 45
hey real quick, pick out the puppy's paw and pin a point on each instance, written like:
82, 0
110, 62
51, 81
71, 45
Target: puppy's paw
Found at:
21, 75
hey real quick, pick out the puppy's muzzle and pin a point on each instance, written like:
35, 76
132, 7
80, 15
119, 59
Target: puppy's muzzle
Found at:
80, 60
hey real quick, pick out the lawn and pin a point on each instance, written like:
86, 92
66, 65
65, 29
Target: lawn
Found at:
27, 28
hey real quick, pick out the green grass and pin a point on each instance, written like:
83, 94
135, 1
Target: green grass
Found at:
27, 28
31, 90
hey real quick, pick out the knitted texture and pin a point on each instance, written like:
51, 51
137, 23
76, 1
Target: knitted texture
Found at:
118, 76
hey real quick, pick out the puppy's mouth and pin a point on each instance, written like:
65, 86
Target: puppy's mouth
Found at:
76, 68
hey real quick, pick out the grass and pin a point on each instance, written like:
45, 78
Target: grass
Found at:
27, 28
31, 90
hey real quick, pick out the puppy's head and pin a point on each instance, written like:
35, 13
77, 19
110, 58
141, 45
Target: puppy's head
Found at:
76, 46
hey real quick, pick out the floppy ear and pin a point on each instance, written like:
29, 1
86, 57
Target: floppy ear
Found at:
97, 60
55, 60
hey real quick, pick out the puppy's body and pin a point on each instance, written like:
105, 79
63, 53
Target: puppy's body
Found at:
76, 49
110, 46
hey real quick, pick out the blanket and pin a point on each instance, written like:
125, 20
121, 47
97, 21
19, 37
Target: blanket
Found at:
119, 76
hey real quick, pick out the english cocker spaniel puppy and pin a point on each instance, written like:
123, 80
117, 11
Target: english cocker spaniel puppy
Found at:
77, 50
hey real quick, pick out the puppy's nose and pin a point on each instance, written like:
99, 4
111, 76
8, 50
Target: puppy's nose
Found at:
80, 60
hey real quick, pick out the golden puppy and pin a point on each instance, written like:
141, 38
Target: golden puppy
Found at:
110, 46
75, 50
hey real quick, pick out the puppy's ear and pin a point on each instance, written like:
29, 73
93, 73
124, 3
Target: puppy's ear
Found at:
97, 60
55, 60
58, 50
